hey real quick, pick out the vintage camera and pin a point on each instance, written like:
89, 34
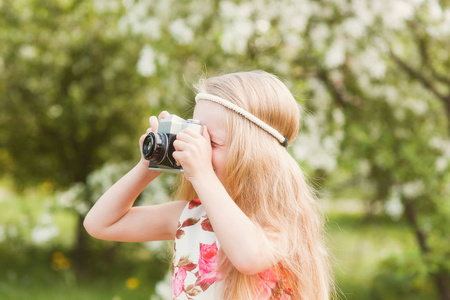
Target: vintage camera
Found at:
158, 147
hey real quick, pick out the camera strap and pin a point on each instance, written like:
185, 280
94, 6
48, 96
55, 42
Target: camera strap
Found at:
252, 118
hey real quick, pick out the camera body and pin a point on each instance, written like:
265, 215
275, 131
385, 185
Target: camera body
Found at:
158, 147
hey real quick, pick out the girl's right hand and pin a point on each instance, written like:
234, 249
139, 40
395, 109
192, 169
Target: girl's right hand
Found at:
154, 122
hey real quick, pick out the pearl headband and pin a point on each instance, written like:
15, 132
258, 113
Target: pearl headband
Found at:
203, 96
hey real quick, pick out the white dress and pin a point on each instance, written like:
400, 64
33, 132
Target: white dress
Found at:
195, 274
194, 266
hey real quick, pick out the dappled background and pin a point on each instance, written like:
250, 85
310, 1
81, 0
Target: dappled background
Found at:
79, 79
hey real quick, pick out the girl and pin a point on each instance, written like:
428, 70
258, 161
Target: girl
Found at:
247, 225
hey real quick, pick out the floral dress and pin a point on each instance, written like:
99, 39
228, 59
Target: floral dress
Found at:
195, 274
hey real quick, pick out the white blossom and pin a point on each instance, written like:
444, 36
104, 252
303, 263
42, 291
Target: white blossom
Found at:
54, 111
418, 106
390, 94
235, 37
363, 12
293, 42
46, 219
146, 65
319, 35
354, 27
338, 116
316, 152
442, 145
151, 28
156, 246
440, 29
139, 22
395, 13
44, 233
413, 189
128, 3
394, 207
106, 5
262, 25
435, 10
156, 192
100, 180
69, 197
182, 33
372, 63
163, 288
336, 54
238, 27
292, 16
442, 163
28, 51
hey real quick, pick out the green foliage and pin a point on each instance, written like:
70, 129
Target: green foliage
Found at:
403, 277
71, 98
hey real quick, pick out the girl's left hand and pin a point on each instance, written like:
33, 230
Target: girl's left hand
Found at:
194, 153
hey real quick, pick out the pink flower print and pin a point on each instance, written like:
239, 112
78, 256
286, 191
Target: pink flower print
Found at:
208, 265
178, 282
194, 203
268, 281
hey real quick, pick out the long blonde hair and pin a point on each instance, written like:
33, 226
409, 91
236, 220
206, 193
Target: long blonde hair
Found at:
268, 185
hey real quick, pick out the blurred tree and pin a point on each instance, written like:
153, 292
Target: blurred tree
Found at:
71, 98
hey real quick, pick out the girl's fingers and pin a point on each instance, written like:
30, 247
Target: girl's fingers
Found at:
141, 139
176, 155
183, 136
153, 123
164, 114
179, 145
188, 135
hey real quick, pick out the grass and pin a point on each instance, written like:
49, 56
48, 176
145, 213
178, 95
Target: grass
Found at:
43, 273
358, 247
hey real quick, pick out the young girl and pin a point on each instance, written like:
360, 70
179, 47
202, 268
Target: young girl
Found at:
247, 225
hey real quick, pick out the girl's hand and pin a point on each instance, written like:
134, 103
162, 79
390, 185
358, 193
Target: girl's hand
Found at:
194, 153
153, 121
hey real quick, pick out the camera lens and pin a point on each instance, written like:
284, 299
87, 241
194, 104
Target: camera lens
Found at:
155, 147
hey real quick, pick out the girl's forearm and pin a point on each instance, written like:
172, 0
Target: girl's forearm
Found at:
118, 199
244, 243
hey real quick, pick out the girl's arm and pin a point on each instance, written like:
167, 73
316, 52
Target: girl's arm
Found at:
113, 217
244, 243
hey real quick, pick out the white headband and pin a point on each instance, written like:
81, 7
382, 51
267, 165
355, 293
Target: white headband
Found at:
203, 96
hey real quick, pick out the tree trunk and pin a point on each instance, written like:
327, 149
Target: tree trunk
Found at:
440, 279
